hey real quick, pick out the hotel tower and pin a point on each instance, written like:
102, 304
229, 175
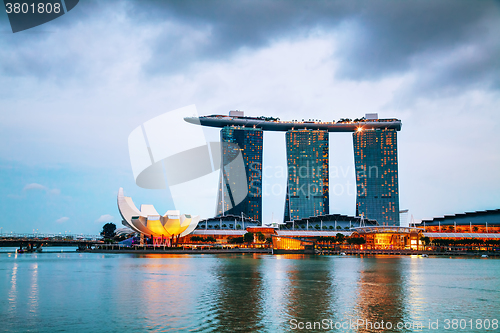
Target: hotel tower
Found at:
240, 185
376, 162
307, 184
375, 159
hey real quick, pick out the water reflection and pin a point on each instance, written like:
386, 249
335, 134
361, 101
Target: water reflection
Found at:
309, 289
246, 293
416, 302
238, 300
33, 296
166, 291
312, 289
13, 288
382, 295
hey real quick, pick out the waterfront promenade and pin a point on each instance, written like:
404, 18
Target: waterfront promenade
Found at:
114, 248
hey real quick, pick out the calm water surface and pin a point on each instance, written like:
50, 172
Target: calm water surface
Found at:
73, 292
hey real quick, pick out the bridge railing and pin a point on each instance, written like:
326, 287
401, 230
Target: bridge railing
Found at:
51, 237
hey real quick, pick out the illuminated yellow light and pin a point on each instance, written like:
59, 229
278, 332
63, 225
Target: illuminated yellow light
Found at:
156, 228
360, 129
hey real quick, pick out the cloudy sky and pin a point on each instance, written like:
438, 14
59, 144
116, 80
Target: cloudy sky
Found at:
73, 89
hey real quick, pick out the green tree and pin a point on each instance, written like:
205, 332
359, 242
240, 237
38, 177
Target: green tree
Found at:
260, 236
108, 230
339, 238
339, 227
356, 240
248, 237
426, 240
236, 240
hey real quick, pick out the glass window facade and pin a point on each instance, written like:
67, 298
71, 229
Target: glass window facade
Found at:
376, 162
248, 142
307, 162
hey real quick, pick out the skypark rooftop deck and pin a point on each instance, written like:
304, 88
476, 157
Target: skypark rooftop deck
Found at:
272, 124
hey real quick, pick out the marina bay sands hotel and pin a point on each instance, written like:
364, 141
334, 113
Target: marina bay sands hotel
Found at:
307, 195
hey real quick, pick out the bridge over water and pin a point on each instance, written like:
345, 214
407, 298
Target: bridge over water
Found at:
33, 241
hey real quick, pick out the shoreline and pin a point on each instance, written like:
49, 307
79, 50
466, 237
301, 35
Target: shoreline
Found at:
269, 251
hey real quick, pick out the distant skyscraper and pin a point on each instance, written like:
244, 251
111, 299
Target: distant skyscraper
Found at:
249, 143
307, 161
376, 162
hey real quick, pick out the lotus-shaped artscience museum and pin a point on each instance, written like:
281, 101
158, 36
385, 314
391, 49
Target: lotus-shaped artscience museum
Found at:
147, 220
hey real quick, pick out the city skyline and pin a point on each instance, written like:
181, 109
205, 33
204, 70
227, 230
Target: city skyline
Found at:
307, 185
74, 88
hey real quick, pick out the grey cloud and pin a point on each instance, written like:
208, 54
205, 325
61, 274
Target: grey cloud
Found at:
388, 35
374, 39
381, 36
54, 50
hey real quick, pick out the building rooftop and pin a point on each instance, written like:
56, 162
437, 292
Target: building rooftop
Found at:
333, 217
461, 215
275, 124
460, 235
308, 233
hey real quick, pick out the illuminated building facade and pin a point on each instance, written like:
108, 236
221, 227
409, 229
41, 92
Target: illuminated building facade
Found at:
483, 221
307, 185
375, 150
376, 163
148, 222
240, 186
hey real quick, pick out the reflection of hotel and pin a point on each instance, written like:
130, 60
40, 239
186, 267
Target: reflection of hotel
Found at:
387, 300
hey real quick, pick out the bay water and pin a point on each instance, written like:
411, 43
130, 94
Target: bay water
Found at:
92, 292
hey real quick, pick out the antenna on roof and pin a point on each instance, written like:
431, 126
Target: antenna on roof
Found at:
362, 220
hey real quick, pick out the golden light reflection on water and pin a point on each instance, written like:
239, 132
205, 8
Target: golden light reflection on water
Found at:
415, 300
381, 294
237, 293
237, 302
165, 282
